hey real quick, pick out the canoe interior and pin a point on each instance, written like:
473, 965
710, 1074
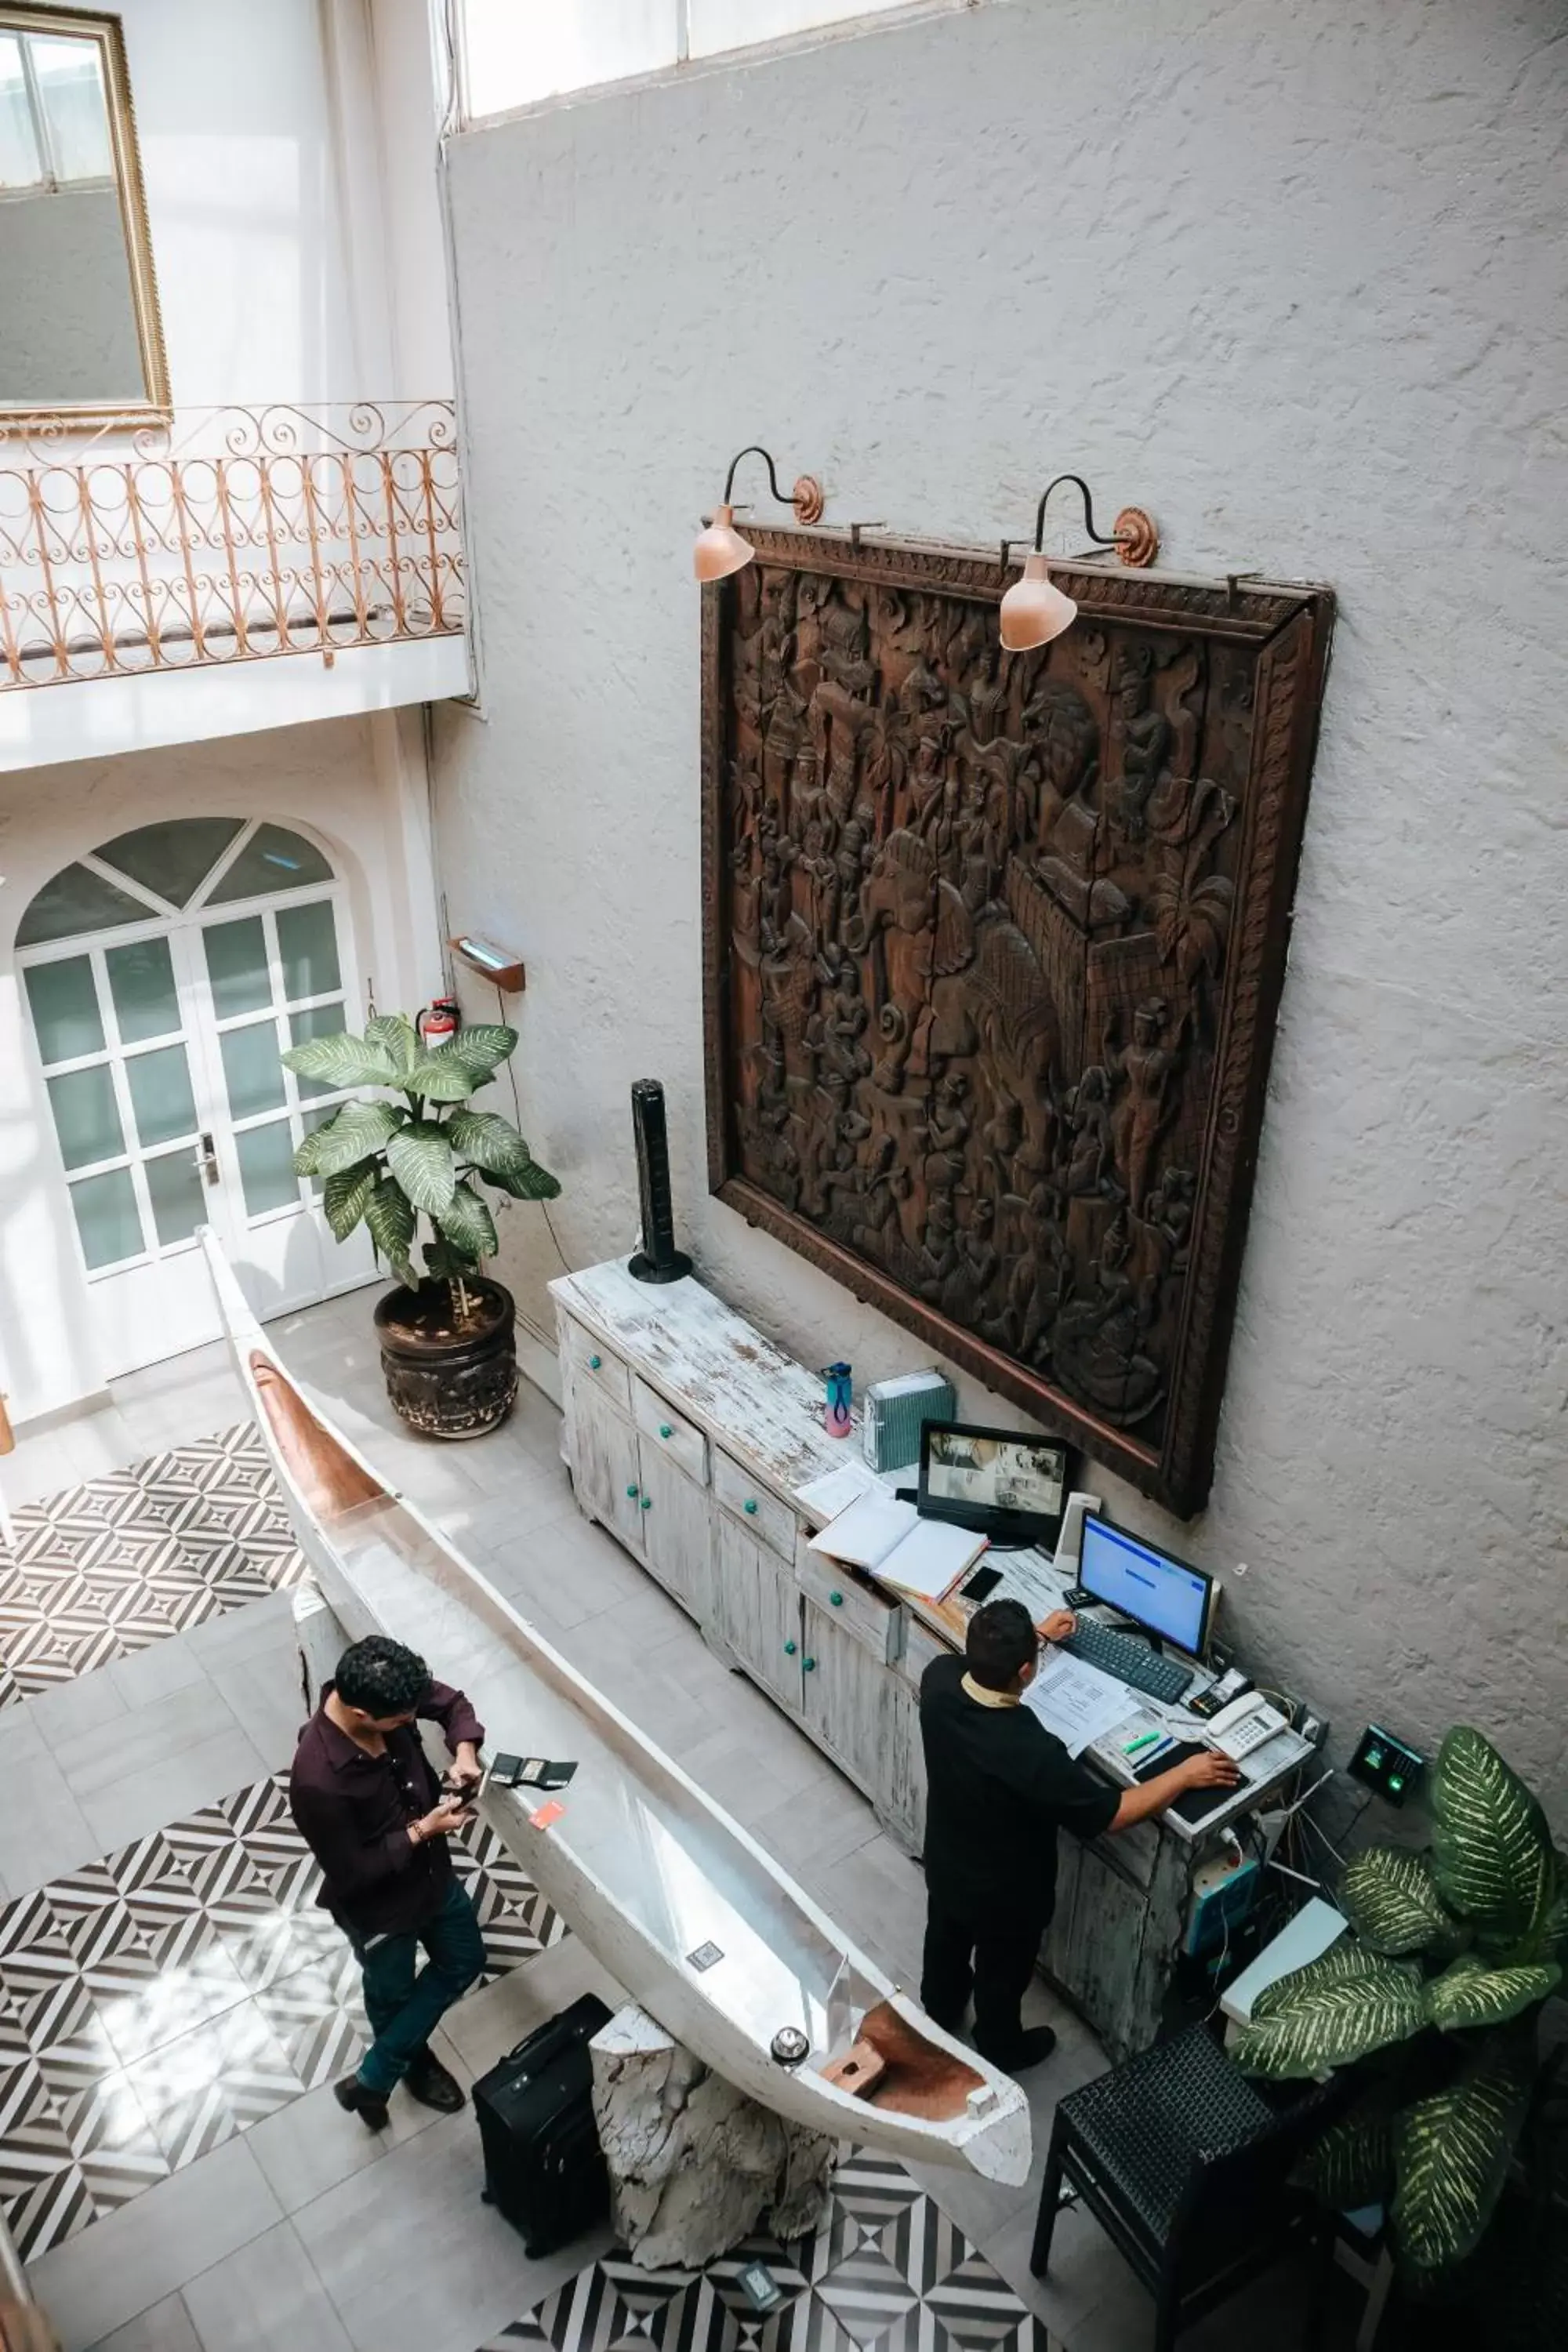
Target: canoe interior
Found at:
674, 1868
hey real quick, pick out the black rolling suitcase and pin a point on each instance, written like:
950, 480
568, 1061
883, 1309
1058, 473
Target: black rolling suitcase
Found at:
543, 2165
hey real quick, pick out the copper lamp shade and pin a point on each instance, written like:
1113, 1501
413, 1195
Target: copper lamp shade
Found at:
720, 550
1033, 610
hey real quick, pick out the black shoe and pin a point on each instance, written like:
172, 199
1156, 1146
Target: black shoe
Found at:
1033, 2047
369, 2105
429, 2081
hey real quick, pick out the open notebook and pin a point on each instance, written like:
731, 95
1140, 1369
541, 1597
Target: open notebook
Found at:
890, 1539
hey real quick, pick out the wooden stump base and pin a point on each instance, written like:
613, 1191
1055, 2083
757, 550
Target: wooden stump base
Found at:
695, 2165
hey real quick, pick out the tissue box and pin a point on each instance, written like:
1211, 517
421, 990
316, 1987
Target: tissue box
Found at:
893, 1413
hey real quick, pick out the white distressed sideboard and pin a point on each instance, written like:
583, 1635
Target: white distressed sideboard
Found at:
689, 1436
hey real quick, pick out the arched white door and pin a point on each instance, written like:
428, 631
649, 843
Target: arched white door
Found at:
165, 974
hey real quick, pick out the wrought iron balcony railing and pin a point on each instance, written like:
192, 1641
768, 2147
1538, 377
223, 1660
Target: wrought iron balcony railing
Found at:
228, 535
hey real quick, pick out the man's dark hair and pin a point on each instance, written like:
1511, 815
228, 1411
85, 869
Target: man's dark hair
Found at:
382, 1676
1000, 1643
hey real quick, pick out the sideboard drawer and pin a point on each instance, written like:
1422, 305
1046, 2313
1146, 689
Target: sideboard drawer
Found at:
592, 1360
874, 1618
676, 1436
765, 1515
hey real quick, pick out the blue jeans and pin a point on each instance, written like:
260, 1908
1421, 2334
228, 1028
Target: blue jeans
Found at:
404, 2009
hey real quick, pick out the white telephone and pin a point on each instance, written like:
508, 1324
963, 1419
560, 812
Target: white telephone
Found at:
1243, 1725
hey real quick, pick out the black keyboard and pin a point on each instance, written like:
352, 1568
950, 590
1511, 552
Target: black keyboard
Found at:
1130, 1660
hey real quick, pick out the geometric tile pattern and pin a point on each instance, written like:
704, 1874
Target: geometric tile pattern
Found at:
156, 2004
887, 2272
101, 1569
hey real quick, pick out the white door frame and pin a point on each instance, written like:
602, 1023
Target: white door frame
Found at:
170, 1318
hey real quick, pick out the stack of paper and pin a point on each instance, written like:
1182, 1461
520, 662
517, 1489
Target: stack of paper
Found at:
1077, 1702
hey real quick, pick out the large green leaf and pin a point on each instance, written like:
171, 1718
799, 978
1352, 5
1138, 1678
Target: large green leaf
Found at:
347, 1196
483, 1045
1328, 2023
1352, 2164
442, 1076
390, 1217
1491, 1854
1452, 2151
466, 1222
1346, 1959
343, 1061
531, 1183
395, 1032
1391, 1899
359, 1131
490, 1141
1470, 1994
421, 1160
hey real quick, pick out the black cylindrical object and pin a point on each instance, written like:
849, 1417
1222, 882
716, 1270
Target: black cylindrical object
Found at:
658, 1260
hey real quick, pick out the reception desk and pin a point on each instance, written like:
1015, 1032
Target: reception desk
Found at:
691, 1438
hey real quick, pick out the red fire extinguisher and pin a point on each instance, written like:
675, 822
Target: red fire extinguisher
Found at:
439, 1021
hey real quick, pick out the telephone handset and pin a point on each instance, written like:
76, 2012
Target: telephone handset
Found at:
1243, 1725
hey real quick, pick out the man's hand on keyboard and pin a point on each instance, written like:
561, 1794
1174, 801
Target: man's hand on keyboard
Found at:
1060, 1626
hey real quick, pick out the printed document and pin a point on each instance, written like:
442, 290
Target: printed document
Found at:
1077, 1702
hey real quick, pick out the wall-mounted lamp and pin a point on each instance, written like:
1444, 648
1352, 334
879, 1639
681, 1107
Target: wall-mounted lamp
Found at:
720, 550
1035, 610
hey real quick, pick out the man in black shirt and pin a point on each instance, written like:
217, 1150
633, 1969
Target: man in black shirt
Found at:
999, 1785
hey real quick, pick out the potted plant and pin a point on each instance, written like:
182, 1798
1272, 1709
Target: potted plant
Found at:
1434, 1996
411, 1171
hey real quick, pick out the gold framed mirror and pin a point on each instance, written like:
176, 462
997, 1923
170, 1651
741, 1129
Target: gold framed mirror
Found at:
82, 343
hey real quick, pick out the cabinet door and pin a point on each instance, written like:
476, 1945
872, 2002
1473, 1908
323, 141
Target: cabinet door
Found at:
758, 1609
899, 1791
846, 1694
675, 1529
1094, 1944
605, 1466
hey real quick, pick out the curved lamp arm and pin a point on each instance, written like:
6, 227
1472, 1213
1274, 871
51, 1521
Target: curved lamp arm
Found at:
1133, 534
806, 497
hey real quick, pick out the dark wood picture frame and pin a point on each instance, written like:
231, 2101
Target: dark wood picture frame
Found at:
1108, 831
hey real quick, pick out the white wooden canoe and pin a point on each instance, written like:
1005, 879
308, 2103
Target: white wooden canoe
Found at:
674, 1898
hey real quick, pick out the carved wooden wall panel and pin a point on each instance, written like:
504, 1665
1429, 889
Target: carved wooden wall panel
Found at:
993, 946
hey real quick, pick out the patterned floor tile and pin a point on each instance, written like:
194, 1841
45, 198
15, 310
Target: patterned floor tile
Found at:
179, 1999
319, 2019
887, 2270
43, 2194
205, 2087
107, 1567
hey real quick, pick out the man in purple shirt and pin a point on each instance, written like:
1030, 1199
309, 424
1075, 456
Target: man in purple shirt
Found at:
377, 1819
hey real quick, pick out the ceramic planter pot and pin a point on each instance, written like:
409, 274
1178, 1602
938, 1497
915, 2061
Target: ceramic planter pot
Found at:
446, 1379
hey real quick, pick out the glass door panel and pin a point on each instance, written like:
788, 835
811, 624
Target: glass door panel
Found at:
319, 1021
107, 1218
87, 1117
141, 983
253, 1072
64, 1005
308, 951
161, 1095
238, 968
267, 1167
177, 1195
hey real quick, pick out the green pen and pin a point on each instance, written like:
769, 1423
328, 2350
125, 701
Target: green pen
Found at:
1146, 1739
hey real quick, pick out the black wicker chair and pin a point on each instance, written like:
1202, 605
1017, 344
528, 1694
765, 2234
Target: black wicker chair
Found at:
1185, 2165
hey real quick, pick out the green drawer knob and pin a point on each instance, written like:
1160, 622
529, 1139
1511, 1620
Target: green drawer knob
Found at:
750, 1509
593, 1362
808, 1665
633, 1493
837, 1599
647, 1504
789, 1649
665, 1429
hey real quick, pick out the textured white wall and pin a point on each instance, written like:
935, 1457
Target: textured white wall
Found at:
1293, 278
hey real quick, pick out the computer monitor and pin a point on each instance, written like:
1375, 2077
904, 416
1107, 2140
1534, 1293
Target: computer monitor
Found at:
1002, 1483
1163, 1594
